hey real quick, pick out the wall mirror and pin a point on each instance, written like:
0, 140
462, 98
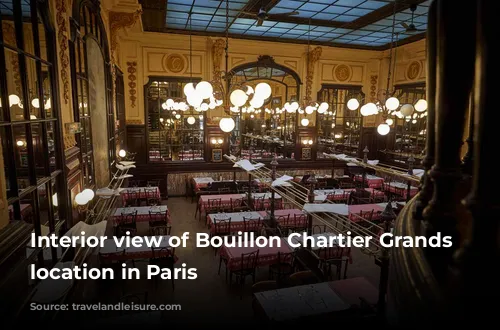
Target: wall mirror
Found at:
339, 128
264, 131
409, 132
175, 131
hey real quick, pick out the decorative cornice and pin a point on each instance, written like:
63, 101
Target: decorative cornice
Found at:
132, 69
312, 57
62, 35
120, 20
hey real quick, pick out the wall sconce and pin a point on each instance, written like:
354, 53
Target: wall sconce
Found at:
307, 142
20, 143
217, 141
122, 153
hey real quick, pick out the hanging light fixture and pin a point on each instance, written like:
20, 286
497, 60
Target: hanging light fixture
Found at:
309, 106
391, 106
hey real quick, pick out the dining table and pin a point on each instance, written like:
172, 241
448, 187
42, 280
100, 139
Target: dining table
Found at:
313, 300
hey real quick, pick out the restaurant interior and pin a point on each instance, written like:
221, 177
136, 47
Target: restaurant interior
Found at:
269, 117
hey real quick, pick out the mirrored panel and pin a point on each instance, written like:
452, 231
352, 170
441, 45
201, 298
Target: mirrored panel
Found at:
339, 128
409, 131
175, 131
265, 129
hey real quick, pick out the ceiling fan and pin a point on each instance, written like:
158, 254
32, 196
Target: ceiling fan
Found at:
262, 15
411, 27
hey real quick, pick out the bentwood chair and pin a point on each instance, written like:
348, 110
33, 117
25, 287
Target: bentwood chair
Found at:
246, 267
283, 267
127, 223
222, 227
334, 256
132, 198
164, 258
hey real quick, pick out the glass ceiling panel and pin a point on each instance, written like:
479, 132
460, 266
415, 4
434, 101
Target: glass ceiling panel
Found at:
209, 16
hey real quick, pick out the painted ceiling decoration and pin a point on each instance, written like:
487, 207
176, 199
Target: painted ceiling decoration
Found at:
365, 24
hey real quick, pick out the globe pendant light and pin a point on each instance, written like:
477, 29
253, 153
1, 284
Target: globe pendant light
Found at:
227, 124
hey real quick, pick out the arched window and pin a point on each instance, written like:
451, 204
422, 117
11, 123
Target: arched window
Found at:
92, 92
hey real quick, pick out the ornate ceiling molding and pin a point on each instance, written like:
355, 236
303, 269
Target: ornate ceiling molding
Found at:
120, 20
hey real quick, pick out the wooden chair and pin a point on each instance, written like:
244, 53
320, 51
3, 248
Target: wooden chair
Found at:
258, 203
151, 196
158, 218
318, 229
246, 267
238, 205
128, 222
303, 278
222, 227
164, 258
160, 230
284, 266
284, 223
132, 198
252, 225
334, 256
300, 223
264, 286
214, 205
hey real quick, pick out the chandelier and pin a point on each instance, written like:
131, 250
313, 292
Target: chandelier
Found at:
391, 106
200, 97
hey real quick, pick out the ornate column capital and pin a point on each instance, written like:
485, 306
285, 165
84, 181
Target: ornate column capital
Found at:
312, 57
120, 20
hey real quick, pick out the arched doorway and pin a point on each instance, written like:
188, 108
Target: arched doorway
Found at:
92, 92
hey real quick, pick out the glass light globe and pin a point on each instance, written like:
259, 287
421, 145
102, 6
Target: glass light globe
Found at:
204, 89
321, 110
352, 104
238, 98
194, 99
164, 106
309, 109
227, 124
48, 104
383, 129
398, 114
256, 102
32, 117
14, 99
177, 116
176, 106
392, 103
263, 90
55, 201
294, 106
122, 153
414, 121
89, 194
323, 107
204, 107
421, 105
188, 89
20, 143
304, 122
81, 199
170, 103
301, 111
234, 109
35, 103
365, 110
372, 108
407, 110
250, 90
389, 121
287, 106
191, 120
